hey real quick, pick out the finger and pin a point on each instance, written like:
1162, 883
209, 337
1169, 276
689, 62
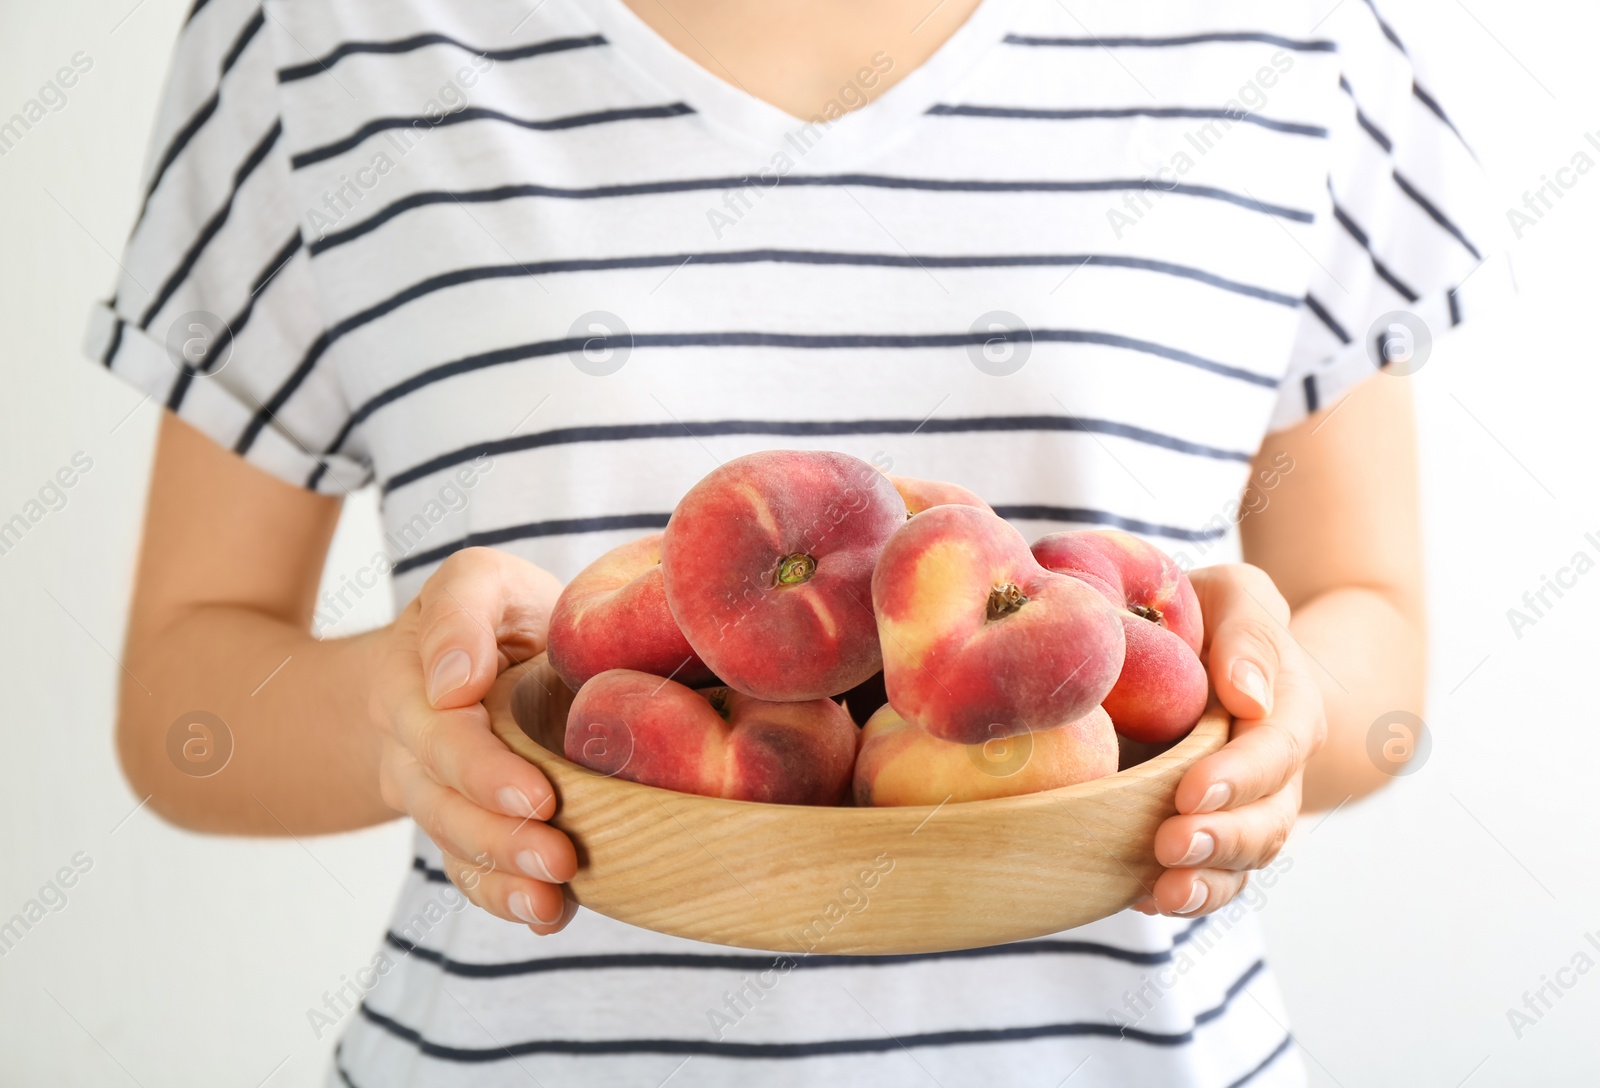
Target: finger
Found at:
1189, 893
463, 829
1246, 838
458, 750
481, 610
1247, 630
569, 911
1263, 756
516, 899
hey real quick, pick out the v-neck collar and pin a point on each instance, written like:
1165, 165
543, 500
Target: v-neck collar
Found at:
827, 145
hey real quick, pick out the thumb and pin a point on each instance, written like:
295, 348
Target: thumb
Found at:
479, 612
1245, 619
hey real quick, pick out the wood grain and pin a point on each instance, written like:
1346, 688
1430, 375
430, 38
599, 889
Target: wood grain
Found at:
787, 878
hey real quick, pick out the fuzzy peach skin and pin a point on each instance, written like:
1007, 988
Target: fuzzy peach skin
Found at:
767, 564
902, 764
717, 742
1162, 690
920, 495
614, 615
980, 641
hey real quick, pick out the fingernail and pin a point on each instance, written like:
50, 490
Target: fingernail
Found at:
515, 802
522, 906
1197, 899
452, 671
533, 865
1201, 847
1252, 682
1214, 798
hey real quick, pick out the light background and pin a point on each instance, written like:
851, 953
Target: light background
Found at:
1405, 929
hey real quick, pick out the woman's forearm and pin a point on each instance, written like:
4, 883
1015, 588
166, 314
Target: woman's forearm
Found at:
304, 758
1369, 658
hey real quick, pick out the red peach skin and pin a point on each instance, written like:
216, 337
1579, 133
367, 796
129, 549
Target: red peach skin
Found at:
614, 615
717, 742
767, 564
920, 495
980, 641
901, 764
1162, 690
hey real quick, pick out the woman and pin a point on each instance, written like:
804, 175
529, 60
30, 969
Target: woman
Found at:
533, 273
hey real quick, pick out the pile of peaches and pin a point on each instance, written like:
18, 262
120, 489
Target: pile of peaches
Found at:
794, 593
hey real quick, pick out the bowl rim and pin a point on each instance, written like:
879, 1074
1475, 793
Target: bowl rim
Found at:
1208, 735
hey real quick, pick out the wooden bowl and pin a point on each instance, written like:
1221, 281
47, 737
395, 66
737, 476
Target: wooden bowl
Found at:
799, 879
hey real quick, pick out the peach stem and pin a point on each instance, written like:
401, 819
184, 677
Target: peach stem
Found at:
795, 569
1005, 599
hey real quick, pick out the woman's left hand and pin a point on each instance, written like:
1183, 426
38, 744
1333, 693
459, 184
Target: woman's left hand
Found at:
1237, 806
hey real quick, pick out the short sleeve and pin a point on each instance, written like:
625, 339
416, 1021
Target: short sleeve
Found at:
215, 313
1407, 247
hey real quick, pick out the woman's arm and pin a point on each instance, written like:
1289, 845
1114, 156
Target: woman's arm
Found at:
1307, 645
228, 572
331, 734
1340, 536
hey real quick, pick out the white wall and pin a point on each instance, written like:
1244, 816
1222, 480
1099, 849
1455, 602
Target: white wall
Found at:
1404, 931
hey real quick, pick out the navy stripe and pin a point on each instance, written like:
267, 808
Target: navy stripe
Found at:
1438, 111
1372, 130
1388, 31
558, 527
1327, 319
790, 256
1083, 516
1378, 266
729, 961
801, 341
885, 1044
690, 185
181, 138
231, 332
115, 345
257, 155
1277, 1052
626, 432
1308, 384
1453, 296
420, 41
432, 876
1299, 46
198, 4
1436, 214
1130, 111
475, 113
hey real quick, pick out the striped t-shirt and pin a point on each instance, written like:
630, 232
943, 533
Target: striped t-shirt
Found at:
533, 273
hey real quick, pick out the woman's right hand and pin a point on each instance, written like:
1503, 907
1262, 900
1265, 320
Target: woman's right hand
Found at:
485, 807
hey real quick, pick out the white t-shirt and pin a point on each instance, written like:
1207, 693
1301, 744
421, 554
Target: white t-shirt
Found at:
532, 274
